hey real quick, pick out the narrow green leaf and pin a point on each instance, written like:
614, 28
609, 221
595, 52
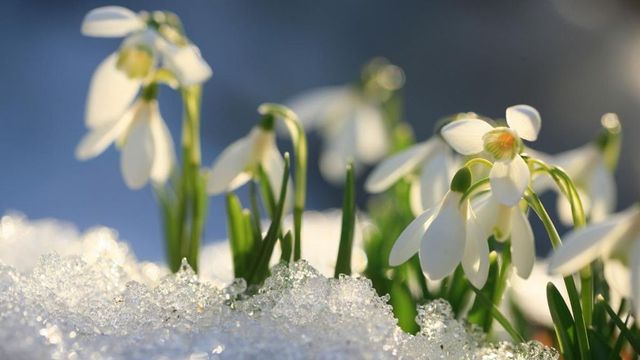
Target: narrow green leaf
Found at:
268, 199
562, 321
343, 262
617, 347
239, 239
498, 316
286, 244
261, 267
479, 313
632, 338
404, 308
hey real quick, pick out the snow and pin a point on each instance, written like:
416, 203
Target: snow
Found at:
66, 295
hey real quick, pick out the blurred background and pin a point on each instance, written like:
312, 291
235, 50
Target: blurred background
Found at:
571, 59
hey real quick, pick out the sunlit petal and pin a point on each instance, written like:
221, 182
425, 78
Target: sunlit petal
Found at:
273, 165
443, 243
371, 138
99, 138
111, 21
475, 260
164, 155
111, 92
618, 277
582, 246
602, 192
525, 120
228, 171
509, 180
395, 167
137, 155
408, 243
435, 178
312, 106
187, 64
466, 136
523, 251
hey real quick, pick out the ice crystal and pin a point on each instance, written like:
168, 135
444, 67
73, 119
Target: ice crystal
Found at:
86, 297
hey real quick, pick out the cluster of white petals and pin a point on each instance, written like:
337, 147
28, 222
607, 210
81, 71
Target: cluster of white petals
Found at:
115, 112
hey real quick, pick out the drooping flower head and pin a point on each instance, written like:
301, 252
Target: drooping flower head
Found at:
615, 240
510, 174
245, 158
350, 118
122, 105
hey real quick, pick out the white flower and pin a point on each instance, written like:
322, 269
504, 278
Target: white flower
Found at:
436, 165
615, 239
530, 294
507, 222
443, 237
510, 174
321, 234
150, 40
239, 162
593, 179
351, 125
147, 148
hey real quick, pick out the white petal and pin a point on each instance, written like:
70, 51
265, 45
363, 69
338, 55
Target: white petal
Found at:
415, 197
564, 207
187, 64
137, 155
466, 136
509, 180
525, 120
582, 246
372, 140
338, 150
98, 139
618, 277
273, 165
164, 155
395, 167
408, 243
492, 217
111, 21
523, 251
443, 243
110, 94
228, 171
312, 106
475, 260
634, 268
435, 178
601, 192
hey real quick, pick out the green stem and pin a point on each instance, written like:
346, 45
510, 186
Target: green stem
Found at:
299, 140
574, 298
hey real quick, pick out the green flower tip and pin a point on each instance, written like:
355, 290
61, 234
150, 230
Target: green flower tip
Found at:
277, 110
461, 180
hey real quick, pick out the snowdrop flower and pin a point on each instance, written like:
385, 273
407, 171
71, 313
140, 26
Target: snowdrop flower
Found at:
150, 41
240, 162
144, 139
592, 175
615, 239
445, 236
350, 118
510, 174
507, 222
435, 163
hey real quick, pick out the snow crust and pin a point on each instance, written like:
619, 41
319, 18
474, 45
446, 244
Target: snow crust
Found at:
66, 295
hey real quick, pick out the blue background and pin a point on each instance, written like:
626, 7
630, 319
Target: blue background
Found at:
572, 60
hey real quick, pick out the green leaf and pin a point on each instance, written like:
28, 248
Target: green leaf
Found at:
479, 313
286, 244
241, 240
563, 322
631, 337
404, 308
261, 267
497, 315
343, 262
